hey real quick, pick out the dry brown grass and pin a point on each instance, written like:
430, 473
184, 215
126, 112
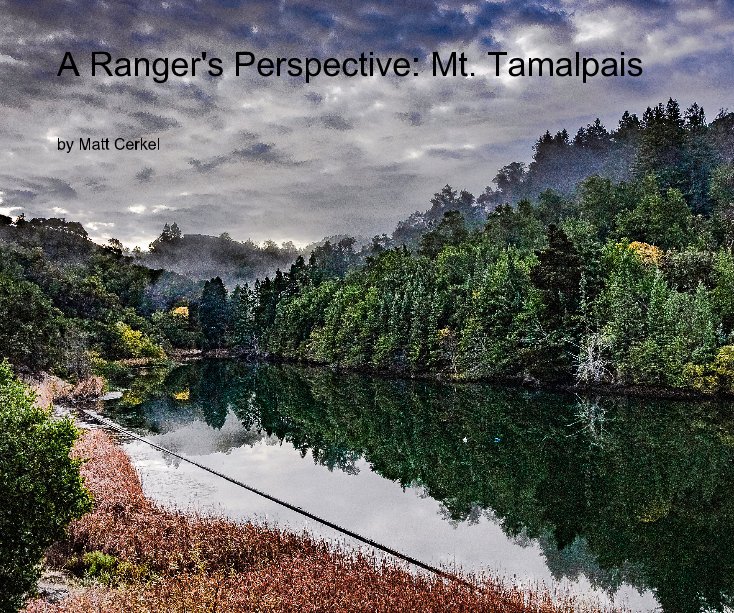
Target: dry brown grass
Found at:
172, 562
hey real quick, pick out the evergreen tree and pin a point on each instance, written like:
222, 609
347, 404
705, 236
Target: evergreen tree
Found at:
557, 277
214, 313
451, 231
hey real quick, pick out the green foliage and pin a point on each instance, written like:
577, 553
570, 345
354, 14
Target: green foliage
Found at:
30, 327
132, 343
714, 377
40, 487
175, 329
663, 220
721, 191
553, 317
607, 258
515, 227
601, 201
511, 303
99, 566
296, 319
61, 297
451, 231
243, 319
655, 330
214, 314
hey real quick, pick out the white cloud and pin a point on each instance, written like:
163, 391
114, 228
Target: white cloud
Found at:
10, 210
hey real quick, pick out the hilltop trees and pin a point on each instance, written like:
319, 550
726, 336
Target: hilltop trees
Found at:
200, 257
170, 235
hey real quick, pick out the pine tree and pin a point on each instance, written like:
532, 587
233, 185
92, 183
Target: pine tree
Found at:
214, 313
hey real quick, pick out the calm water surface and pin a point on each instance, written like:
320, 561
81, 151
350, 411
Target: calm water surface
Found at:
628, 502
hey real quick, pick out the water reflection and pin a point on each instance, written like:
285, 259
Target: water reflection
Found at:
619, 491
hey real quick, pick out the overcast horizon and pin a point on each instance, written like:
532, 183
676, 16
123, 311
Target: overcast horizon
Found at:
275, 158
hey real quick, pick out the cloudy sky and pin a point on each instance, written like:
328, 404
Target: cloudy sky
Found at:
277, 158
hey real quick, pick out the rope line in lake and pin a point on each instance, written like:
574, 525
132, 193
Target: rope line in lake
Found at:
368, 541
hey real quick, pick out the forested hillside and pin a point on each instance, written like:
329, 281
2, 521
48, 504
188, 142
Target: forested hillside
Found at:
608, 260
625, 279
67, 304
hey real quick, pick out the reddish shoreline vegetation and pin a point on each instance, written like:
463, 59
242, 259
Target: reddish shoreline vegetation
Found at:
135, 555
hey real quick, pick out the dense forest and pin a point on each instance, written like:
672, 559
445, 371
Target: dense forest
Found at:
627, 279
68, 304
607, 260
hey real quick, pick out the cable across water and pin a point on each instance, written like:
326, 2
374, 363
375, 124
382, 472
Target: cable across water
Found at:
379, 546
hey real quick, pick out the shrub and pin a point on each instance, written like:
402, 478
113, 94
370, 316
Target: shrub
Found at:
40, 487
175, 329
715, 377
135, 344
100, 566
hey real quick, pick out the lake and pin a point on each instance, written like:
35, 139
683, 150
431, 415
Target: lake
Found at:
626, 501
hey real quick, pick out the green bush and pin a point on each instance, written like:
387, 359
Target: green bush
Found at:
175, 330
715, 377
40, 487
135, 343
100, 566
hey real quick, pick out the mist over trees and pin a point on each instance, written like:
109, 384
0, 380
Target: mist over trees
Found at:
680, 148
201, 257
65, 301
606, 260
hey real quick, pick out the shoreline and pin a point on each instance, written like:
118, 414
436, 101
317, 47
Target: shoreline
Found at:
607, 389
159, 559
50, 388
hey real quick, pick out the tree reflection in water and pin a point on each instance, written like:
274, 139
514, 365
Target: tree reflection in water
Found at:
621, 490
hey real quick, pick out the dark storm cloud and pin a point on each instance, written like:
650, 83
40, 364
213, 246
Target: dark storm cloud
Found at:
260, 153
144, 174
48, 187
96, 185
446, 153
337, 155
89, 100
18, 197
247, 136
137, 93
153, 123
419, 25
336, 122
413, 118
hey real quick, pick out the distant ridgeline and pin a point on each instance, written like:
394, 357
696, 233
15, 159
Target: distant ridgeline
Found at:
606, 260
